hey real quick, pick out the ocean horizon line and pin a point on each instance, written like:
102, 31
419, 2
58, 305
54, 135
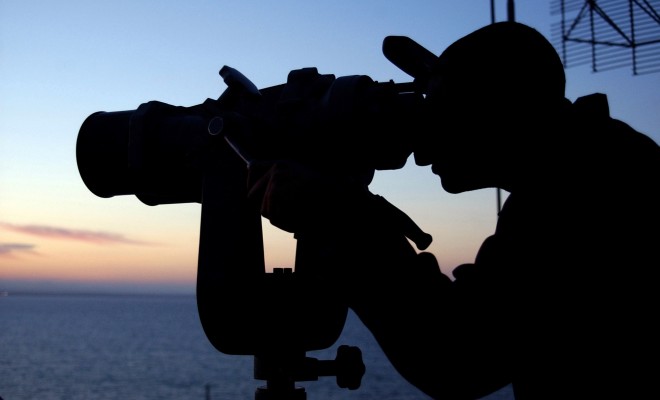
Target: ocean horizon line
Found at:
12, 287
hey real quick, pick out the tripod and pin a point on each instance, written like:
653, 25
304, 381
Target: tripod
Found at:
276, 317
282, 371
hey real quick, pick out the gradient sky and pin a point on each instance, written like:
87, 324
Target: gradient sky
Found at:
63, 60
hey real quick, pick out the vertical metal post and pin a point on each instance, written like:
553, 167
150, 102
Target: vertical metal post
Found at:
511, 16
633, 43
492, 11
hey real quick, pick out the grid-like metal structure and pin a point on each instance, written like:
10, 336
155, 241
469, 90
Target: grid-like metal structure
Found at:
608, 34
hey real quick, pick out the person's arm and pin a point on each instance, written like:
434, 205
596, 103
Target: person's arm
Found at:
448, 338
443, 336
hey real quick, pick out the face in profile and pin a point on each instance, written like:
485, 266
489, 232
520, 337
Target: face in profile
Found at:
487, 92
461, 142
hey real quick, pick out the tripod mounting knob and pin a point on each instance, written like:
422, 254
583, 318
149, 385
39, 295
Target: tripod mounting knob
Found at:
348, 367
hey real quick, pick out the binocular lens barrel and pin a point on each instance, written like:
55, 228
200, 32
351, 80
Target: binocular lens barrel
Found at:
153, 152
102, 153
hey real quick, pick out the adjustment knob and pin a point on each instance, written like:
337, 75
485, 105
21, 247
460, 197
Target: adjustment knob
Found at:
350, 367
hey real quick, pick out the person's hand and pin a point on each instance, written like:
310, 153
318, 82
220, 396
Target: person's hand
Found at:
294, 197
298, 199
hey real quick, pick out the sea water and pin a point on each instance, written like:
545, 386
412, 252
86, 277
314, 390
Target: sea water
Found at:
139, 347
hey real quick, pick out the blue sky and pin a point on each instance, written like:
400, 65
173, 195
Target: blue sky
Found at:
61, 61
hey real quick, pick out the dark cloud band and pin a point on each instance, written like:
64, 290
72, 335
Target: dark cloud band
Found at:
9, 249
51, 232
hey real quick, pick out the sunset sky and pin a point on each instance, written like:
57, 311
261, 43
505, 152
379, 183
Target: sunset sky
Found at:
61, 61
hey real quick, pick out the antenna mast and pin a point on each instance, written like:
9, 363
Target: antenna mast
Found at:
608, 34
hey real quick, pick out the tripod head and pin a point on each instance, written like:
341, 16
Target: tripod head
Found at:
348, 126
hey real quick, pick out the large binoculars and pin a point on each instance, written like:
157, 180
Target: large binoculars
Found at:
165, 154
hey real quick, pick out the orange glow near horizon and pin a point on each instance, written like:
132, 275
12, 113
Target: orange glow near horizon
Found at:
48, 253
81, 257
159, 245
167, 256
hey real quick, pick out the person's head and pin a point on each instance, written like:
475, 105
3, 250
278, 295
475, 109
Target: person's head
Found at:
491, 95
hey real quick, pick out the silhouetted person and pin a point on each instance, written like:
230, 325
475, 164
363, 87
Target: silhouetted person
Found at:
562, 300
